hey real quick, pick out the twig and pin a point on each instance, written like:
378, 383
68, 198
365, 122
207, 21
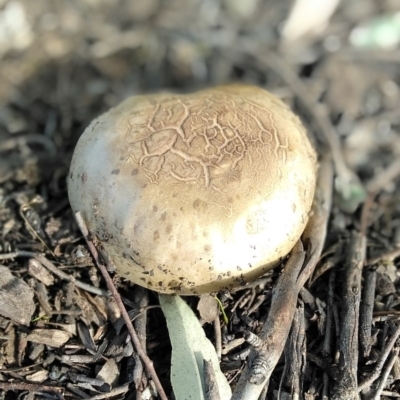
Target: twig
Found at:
78, 359
75, 390
218, 337
313, 389
327, 346
134, 314
325, 387
257, 282
295, 354
275, 330
232, 345
367, 310
388, 255
316, 229
336, 320
386, 373
32, 387
135, 339
323, 268
366, 209
323, 364
141, 299
386, 313
15, 254
268, 346
346, 385
17, 369
380, 363
389, 393
56, 271
210, 383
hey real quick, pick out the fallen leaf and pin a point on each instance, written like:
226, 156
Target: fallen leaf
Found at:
190, 347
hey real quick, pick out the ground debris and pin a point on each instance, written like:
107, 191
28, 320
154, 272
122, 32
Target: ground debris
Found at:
16, 298
64, 63
49, 337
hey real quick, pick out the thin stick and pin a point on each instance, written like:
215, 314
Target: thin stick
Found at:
218, 337
376, 373
385, 375
327, 346
388, 255
346, 385
32, 387
135, 339
317, 227
269, 345
141, 299
56, 271
275, 330
15, 254
367, 311
211, 386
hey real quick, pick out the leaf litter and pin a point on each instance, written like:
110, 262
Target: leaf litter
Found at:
61, 333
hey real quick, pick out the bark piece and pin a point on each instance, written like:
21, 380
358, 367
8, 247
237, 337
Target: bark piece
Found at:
39, 272
208, 308
109, 372
16, 298
49, 337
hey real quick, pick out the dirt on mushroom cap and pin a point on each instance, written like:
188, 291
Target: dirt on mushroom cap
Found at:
195, 193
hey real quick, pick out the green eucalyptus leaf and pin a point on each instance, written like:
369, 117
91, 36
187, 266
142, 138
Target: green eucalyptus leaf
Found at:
190, 347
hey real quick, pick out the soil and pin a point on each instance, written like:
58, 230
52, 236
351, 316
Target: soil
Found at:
64, 63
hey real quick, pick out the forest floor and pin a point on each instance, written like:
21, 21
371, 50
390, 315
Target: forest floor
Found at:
64, 63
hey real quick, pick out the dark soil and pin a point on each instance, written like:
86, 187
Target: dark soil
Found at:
63, 64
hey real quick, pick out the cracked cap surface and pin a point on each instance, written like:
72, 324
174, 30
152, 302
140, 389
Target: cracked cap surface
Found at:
195, 193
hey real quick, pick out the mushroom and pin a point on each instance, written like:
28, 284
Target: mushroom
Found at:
198, 192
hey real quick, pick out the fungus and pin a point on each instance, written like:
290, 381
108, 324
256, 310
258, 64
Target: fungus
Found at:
195, 193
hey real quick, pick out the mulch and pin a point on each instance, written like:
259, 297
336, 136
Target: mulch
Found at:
61, 333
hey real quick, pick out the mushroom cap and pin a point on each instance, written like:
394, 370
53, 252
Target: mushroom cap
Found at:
195, 193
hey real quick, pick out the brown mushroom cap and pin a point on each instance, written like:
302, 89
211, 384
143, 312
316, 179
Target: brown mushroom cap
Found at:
195, 193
